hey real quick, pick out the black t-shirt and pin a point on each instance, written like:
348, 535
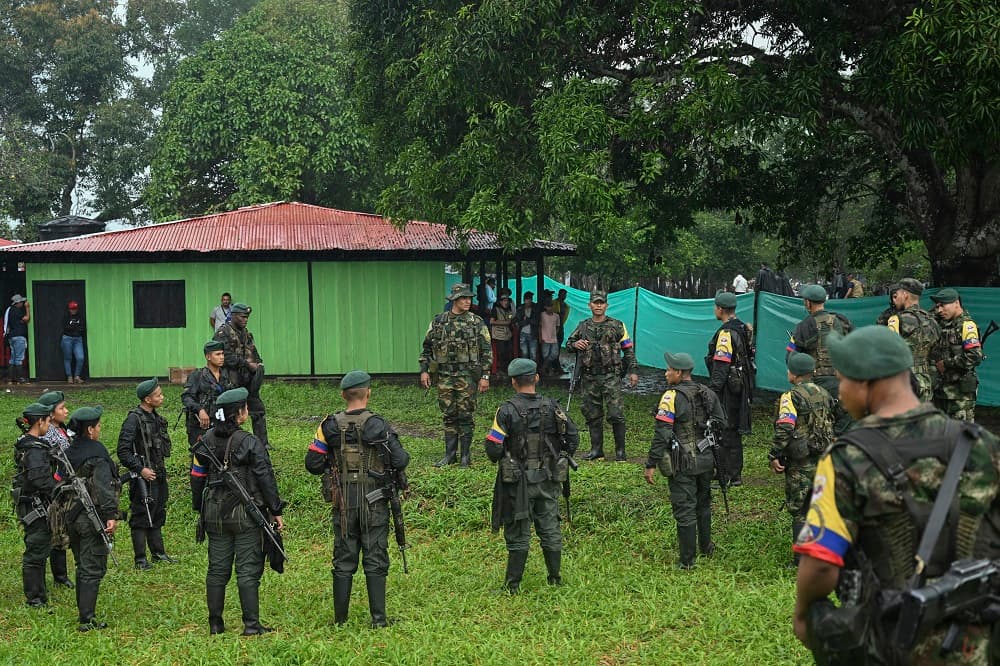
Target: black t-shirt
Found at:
16, 327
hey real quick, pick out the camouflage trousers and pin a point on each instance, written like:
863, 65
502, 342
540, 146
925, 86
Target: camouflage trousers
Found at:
798, 487
457, 393
923, 386
599, 393
957, 408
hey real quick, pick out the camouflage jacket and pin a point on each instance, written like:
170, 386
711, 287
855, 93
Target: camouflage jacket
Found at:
809, 337
921, 333
610, 347
240, 348
959, 348
457, 344
855, 507
803, 426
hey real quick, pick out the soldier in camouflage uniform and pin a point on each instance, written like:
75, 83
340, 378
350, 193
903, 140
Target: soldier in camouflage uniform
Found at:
457, 350
681, 422
244, 365
802, 430
57, 435
858, 514
32, 490
917, 327
531, 439
809, 337
203, 386
959, 352
602, 347
143, 449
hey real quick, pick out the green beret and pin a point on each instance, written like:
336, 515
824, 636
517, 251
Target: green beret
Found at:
37, 409
86, 414
598, 296
725, 299
521, 366
946, 295
814, 293
355, 379
232, 397
915, 287
679, 361
145, 388
800, 364
52, 398
241, 308
213, 346
870, 352
460, 290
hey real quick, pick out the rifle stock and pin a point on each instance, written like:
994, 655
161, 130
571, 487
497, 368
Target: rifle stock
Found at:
86, 501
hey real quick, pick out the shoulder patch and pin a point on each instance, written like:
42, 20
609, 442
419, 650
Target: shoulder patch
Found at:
786, 410
970, 335
893, 323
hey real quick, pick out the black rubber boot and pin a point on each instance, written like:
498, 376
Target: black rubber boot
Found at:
60, 573
596, 442
156, 547
618, 428
341, 597
215, 595
516, 559
86, 603
376, 601
466, 442
687, 542
250, 603
139, 548
553, 564
33, 580
450, 450
259, 422
705, 543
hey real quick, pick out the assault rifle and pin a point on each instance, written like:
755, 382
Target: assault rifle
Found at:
573, 382
201, 449
142, 488
393, 482
710, 441
80, 488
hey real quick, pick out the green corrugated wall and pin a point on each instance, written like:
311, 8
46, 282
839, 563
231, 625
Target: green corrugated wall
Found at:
369, 315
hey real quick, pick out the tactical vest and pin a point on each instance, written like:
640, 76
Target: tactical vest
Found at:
155, 437
455, 341
690, 431
922, 340
951, 337
604, 354
17, 484
825, 323
815, 424
353, 456
890, 546
530, 447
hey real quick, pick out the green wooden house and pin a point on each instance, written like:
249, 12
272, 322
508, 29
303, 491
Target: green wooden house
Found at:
331, 290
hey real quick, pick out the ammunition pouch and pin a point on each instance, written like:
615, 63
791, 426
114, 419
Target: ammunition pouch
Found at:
326, 486
798, 448
734, 380
840, 634
562, 469
670, 463
969, 383
510, 470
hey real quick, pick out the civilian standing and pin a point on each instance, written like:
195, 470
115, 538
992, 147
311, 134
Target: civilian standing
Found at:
73, 328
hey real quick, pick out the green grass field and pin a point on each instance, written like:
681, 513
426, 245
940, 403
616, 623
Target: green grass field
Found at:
623, 600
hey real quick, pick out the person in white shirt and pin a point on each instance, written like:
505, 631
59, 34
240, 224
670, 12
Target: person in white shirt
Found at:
740, 284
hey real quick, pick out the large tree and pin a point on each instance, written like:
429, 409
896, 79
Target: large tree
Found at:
260, 115
606, 116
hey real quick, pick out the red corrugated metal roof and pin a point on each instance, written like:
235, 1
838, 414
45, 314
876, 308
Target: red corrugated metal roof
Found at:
284, 226
4, 242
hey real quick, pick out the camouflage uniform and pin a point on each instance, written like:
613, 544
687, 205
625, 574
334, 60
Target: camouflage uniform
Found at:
803, 428
58, 436
241, 350
528, 434
731, 377
684, 411
457, 349
960, 350
601, 374
921, 333
32, 487
809, 337
856, 509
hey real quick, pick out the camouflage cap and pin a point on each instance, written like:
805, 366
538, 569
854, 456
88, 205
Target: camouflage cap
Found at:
870, 352
679, 361
355, 379
598, 296
800, 364
945, 296
37, 409
521, 366
725, 299
911, 285
87, 414
52, 398
241, 308
460, 290
213, 346
814, 293
232, 397
145, 388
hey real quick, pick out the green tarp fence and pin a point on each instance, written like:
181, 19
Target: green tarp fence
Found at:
658, 324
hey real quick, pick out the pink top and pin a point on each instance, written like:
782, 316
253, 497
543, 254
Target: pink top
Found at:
549, 323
